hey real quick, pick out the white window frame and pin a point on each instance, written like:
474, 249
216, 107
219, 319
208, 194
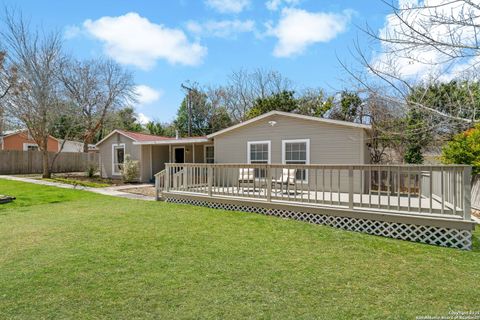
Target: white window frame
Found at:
205, 152
26, 145
307, 143
268, 142
117, 145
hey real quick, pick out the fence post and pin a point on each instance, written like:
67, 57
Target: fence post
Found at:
350, 187
167, 177
210, 179
269, 183
467, 192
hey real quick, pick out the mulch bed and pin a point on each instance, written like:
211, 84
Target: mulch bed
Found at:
6, 199
145, 191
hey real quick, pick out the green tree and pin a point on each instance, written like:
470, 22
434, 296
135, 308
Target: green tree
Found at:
126, 119
155, 128
464, 148
315, 103
416, 136
283, 101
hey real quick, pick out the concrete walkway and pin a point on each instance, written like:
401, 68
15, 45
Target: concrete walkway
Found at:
108, 191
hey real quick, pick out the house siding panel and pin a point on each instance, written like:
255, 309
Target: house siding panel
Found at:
329, 143
105, 151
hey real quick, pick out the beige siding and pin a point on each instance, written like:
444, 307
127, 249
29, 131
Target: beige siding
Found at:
105, 151
329, 144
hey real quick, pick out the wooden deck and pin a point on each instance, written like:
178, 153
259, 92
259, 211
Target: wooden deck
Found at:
429, 204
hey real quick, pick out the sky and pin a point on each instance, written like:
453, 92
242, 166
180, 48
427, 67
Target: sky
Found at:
167, 43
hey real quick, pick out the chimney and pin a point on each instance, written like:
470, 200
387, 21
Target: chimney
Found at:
176, 134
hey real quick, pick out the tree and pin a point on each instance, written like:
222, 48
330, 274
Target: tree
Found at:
315, 103
349, 108
8, 82
155, 128
441, 39
38, 60
245, 87
417, 136
97, 87
464, 148
126, 119
283, 101
199, 115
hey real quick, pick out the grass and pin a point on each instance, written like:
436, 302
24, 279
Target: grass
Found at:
74, 254
75, 182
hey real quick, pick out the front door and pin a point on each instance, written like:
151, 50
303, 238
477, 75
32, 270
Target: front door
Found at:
179, 155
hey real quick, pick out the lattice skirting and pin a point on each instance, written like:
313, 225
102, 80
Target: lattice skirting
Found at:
445, 237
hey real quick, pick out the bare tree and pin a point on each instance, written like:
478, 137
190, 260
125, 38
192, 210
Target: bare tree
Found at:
37, 59
96, 87
442, 40
244, 87
8, 82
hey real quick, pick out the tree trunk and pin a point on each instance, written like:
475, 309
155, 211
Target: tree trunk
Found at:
46, 168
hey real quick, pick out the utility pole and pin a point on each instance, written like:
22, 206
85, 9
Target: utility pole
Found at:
189, 107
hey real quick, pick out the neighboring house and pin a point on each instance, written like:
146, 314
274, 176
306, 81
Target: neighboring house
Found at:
75, 146
22, 141
274, 137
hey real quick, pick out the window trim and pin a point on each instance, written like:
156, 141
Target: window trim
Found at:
26, 145
268, 142
307, 160
205, 152
117, 145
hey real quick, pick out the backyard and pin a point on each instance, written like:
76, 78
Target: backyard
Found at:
74, 254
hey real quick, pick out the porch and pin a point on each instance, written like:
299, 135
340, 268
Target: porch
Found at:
429, 196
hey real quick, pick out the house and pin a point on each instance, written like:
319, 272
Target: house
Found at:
21, 140
76, 146
274, 137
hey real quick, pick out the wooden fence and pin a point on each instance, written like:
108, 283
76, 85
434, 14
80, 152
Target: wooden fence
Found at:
476, 192
26, 162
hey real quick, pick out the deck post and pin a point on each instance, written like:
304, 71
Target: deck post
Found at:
269, 183
210, 180
467, 193
185, 178
167, 177
350, 187
157, 188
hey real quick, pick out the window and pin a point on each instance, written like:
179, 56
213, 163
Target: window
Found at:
297, 152
118, 157
259, 152
30, 147
209, 154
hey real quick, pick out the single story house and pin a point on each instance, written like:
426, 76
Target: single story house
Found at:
274, 137
21, 140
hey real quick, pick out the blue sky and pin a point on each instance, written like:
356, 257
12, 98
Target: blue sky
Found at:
165, 43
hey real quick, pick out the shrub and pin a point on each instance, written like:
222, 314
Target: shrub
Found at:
464, 149
91, 170
130, 169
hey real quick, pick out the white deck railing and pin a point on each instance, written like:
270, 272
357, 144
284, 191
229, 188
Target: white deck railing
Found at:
435, 190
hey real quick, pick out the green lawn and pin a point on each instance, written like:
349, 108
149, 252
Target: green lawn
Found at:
74, 254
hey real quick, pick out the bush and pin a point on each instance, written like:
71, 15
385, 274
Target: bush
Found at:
130, 169
464, 149
91, 170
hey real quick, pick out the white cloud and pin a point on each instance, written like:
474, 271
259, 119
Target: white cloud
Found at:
274, 5
228, 6
297, 29
147, 95
143, 119
72, 32
423, 62
222, 28
132, 39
